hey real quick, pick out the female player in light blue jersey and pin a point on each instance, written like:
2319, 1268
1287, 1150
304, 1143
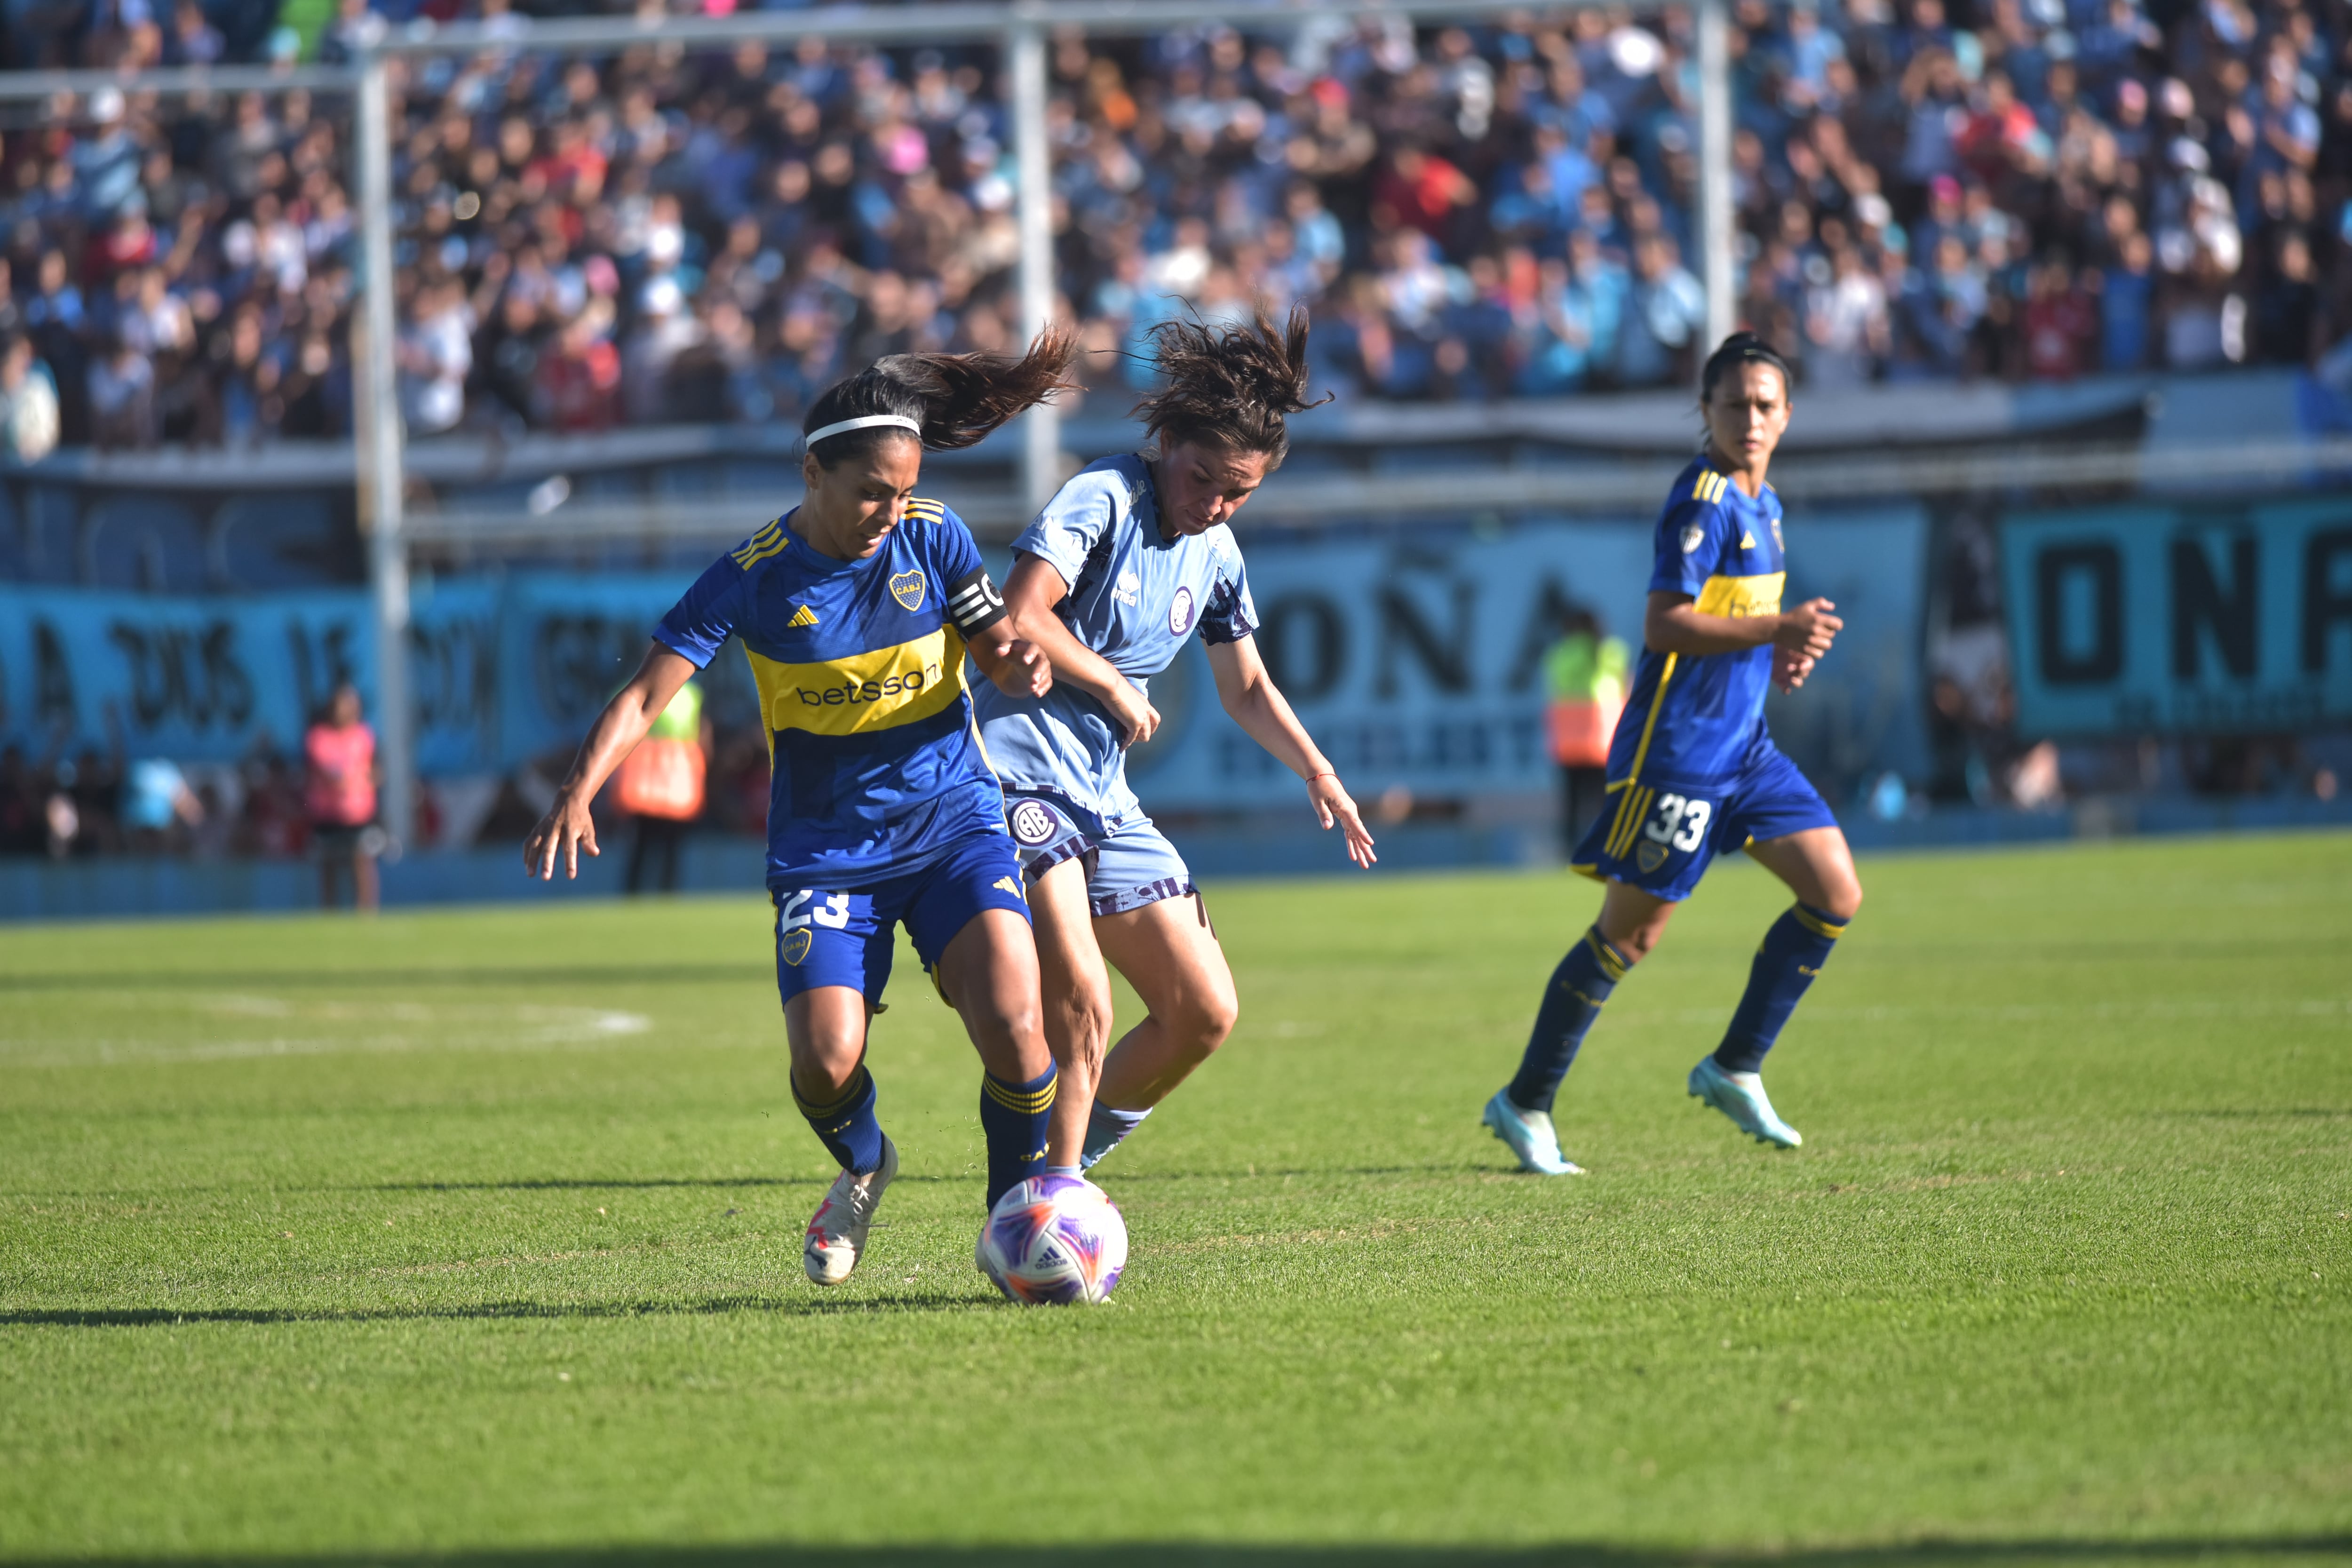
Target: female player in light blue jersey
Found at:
1695, 775
1128, 561
855, 609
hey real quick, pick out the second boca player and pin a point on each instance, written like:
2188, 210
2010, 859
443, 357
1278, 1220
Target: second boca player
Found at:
1695, 774
855, 609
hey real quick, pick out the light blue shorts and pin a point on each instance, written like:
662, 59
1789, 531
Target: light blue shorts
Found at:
1126, 866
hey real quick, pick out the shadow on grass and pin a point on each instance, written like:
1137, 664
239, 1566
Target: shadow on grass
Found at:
719, 1305
2075, 1554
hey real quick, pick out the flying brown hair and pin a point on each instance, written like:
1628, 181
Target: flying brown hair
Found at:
1229, 386
960, 398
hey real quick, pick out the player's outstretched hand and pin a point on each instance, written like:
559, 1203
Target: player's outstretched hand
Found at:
565, 830
1132, 712
1022, 669
1334, 804
1808, 628
1790, 669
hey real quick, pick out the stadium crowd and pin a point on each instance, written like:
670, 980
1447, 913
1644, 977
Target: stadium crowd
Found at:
1926, 189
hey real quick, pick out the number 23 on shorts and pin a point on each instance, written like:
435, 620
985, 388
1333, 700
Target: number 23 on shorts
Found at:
797, 912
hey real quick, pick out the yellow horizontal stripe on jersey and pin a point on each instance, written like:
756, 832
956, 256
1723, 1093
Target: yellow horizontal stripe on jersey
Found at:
1742, 597
864, 692
768, 542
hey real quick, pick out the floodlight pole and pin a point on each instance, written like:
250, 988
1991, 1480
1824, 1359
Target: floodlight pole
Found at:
1041, 427
1717, 229
381, 465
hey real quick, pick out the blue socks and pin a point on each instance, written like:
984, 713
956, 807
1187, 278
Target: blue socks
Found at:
1014, 1116
1105, 1129
1573, 999
1793, 952
846, 1125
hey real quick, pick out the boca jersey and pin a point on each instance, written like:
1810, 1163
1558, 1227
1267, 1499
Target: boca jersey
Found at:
860, 670
1135, 597
1690, 719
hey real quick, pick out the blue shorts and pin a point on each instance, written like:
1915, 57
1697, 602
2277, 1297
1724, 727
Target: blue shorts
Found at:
1663, 834
844, 936
1127, 866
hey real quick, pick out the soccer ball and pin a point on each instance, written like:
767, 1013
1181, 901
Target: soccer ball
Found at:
1053, 1240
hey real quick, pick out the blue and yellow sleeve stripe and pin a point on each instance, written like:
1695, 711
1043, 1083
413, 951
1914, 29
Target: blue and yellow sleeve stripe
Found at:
1710, 486
768, 541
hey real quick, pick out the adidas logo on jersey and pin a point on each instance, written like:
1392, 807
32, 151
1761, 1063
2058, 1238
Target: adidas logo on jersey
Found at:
1748, 540
803, 616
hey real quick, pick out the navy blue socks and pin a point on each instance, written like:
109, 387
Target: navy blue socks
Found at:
846, 1125
1793, 952
1573, 999
1014, 1116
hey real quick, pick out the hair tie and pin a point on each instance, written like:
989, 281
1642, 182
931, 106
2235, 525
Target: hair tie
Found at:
843, 427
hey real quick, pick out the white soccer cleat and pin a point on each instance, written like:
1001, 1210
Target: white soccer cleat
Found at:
836, 1232
1530, 1135
1741, 1097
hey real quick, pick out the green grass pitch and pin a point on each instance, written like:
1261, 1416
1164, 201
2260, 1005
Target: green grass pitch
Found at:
473, 1236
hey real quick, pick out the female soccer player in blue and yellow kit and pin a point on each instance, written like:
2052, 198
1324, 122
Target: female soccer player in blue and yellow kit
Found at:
855, 609
1125, 563
1695, 775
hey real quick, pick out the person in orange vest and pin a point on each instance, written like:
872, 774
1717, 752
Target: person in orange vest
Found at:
1584, 676
661, 784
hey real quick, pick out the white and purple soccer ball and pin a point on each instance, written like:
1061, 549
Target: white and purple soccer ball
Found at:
1053, 1240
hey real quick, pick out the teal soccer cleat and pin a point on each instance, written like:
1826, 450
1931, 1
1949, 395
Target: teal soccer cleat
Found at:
1530, 1135
1740, 1096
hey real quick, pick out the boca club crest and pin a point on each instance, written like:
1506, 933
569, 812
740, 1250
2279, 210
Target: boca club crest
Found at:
907, 588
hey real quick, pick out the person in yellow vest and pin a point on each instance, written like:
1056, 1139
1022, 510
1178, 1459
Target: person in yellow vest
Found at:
1584, 676
661, 784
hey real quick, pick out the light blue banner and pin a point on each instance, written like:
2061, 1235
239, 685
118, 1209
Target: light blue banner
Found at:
1418, 663
2140, 620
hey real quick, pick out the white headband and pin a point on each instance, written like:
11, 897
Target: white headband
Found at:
868, 423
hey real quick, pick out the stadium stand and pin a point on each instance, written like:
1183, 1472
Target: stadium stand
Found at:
2014, 189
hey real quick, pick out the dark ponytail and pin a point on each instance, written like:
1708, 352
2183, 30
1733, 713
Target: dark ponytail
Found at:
1738, 349
1228, 386
958, 398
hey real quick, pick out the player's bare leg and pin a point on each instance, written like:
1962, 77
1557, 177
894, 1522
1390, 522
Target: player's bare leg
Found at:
989, 973
1170, 956
1632, 920
1077, 1002
1817, 866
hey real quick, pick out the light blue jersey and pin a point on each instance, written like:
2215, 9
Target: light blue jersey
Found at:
1134, 597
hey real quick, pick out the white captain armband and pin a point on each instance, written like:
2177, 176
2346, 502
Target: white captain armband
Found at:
973, 603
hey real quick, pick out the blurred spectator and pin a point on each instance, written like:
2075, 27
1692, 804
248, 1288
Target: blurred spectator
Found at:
2014, 188
29, 403
158, 806
339, 792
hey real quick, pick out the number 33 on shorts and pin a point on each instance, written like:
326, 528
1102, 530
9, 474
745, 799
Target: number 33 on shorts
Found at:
798, 913
1676, 822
